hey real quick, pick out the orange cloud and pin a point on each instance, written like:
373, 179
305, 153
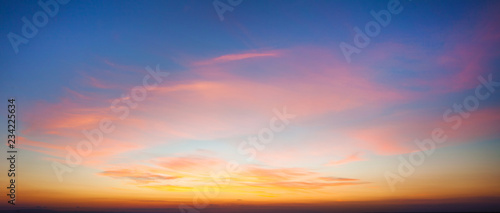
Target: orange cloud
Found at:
139, 177
337, 179
303, 185
276, 174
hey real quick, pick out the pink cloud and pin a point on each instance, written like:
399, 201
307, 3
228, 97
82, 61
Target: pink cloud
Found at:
235, 57
214, 101
468, 49
351, 158
190, 163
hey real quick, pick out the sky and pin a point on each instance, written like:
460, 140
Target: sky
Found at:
192, 106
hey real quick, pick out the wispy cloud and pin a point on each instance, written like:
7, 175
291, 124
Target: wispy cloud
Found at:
235, 57
351, 158
137, 176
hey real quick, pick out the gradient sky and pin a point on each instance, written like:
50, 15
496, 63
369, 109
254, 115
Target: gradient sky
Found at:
352, 120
